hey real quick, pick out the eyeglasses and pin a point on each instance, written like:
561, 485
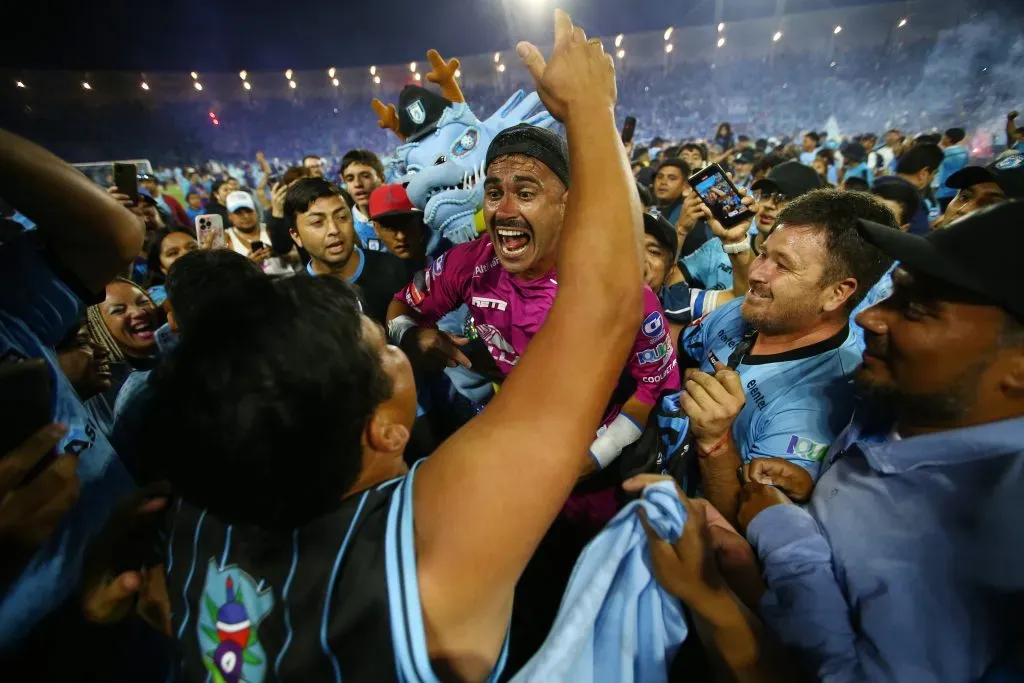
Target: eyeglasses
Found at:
776, 197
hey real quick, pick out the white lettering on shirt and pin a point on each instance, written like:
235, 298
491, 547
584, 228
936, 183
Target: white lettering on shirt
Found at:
484, 302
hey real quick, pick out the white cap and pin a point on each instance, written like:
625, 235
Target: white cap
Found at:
239, 200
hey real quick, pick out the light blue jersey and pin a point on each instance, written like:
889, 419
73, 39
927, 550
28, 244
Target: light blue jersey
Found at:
36, 311
709, 266
881, 291
954, 159
797, 402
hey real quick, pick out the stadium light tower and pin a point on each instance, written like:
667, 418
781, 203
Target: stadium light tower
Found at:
197, 85
777, 37
721, 42
721, 27
621, 54
668, 48
335, 82
373, 71
292, 85
412, 67
501, 68
144, 85
497, 57
837, 30
331, 72
247, 85
288, 74
86, 86
668, 33
417, 77
458, 73
903, 22
243, 74
376, 80
19, 84
618, 40
194, 75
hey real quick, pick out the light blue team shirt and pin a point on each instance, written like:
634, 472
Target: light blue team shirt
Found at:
879, 292
797, 402
36, 310
908, 562
954, 158
807, 158
709, 265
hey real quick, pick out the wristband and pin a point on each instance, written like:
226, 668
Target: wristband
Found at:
737, 248
714, 449
397, 327
612, 439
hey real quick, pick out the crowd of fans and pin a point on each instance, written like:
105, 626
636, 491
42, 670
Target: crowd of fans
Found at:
259, 427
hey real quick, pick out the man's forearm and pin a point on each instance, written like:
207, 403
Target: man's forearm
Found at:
740, 270
721, 483
89, 232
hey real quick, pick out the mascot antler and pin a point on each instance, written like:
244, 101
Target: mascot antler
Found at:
388, 117
443, 74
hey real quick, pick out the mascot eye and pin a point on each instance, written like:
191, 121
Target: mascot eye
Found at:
466, 143
440, 160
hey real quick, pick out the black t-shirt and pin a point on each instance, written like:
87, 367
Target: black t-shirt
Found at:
379, 277
334, 599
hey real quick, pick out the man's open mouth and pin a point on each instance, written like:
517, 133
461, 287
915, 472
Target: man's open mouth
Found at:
513, 241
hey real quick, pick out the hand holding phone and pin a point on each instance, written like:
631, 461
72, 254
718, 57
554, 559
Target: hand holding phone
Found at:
210, 231
126, 178
721, 197
256, 245
628, 129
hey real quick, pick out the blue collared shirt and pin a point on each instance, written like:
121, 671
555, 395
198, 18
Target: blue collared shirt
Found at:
908, 563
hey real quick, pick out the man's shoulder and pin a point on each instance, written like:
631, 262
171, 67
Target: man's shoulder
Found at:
477, 257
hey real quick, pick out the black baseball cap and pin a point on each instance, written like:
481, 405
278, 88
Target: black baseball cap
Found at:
854, 151
962, 255
747, 156
790, 178
1006, 172
663, 231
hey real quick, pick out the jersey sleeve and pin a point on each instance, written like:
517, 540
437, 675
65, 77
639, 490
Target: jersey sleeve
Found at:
32, 292
684, 304
710, 266
437, 290
652, 361
798, 429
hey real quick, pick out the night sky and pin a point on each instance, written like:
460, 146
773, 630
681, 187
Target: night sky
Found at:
259, 34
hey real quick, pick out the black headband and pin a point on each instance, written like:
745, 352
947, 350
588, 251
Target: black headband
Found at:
545, 146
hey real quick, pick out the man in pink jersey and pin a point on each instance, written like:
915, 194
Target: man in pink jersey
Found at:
507, 279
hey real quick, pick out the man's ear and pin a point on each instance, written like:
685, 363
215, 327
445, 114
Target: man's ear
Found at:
905, 227
839, 293
1013, 382
385, 435
295, 237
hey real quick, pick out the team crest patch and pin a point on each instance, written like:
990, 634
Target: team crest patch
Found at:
465, 144
654, 325
233, 607
806, 449
1011, 161
416, 112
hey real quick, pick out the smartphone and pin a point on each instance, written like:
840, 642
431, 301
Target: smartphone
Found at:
126, 178
628, 128
273, 179
720, 195
210, 222
256, 245
26, 406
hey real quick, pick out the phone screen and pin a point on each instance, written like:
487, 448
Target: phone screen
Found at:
256, 245
720, 195
126, 178
628, 129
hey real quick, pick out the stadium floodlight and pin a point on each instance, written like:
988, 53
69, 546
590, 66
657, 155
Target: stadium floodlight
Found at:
212, 115
291, 84
247, 85
832, 64
777, 37
376, 80
412, 67
618, 40
335, 82
144, 85
903, 22
668, 48
331, 72
86, 86
721, 42
194, 75
373, 71
288, 74
417, 77
497, 57
197, 85
620, 54
837, 30
501, 68
243, 74
19, 84
668, 33
458, 73
721, 27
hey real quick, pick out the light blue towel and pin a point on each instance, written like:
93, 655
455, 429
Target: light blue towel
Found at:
616, 624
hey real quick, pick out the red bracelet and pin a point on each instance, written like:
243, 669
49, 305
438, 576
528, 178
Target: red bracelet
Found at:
714, 449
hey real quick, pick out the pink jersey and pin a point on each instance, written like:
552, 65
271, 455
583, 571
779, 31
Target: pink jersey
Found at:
508, 311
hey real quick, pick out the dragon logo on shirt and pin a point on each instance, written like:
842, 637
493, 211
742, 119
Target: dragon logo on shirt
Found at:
498, 346
233, 607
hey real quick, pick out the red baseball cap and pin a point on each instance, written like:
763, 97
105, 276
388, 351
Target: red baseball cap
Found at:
390, 200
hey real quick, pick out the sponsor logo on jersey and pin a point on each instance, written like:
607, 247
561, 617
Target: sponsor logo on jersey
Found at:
806, 449
657, 379
654, 325
484, 267
484, 302
712, 358
501, 350
648, 356
756, 394
438, 264
233, 605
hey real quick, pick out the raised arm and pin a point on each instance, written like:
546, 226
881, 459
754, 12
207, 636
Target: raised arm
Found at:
89, 233
487, 496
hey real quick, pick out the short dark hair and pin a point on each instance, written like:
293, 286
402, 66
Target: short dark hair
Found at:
695, 146
768, 162
365, 157
920, 156
955, 135
252, 386
812, 135
153, 274
207, 276
848, 254
683, 167
310, 156
217, 184
304, 192
900, 192
855, 184
293, 173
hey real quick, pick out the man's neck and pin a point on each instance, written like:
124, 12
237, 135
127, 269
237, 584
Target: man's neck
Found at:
770, 345
343, 271
671, 204
910, 179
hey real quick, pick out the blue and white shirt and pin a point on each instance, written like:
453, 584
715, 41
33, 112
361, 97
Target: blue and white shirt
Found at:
709, 266
797, 402
36, 310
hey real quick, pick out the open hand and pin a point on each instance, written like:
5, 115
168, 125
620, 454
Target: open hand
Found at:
579, 76
277, 195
